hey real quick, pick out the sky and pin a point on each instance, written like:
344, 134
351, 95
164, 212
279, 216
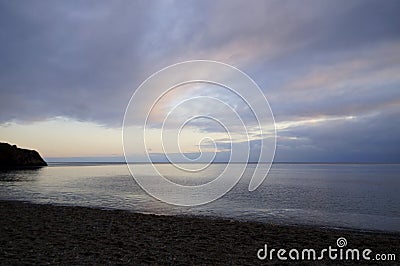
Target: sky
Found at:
329, 69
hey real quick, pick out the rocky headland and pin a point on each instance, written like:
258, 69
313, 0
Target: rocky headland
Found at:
12, 157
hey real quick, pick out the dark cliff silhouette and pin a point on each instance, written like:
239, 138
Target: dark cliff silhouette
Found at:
12, 157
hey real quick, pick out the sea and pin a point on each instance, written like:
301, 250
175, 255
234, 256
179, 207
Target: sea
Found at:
363, 197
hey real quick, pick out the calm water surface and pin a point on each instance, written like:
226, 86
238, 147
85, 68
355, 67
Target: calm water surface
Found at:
359, 196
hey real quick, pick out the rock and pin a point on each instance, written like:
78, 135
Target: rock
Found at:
12, 157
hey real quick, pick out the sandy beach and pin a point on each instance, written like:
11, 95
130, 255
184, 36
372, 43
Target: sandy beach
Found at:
47, 234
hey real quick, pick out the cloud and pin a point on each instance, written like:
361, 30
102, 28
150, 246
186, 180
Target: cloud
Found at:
312, 59
372, 138
70, 59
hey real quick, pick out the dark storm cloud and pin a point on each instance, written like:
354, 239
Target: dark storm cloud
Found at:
83, 59
374, 138
70, 58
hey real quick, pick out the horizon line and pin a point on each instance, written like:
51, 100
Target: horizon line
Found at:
286, 162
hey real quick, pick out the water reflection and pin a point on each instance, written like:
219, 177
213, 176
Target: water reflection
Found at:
20, 175
356, 196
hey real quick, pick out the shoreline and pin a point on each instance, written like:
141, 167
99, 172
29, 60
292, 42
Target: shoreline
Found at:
211, 218
54, 234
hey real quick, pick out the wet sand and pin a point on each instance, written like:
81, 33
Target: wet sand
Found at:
47, 234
